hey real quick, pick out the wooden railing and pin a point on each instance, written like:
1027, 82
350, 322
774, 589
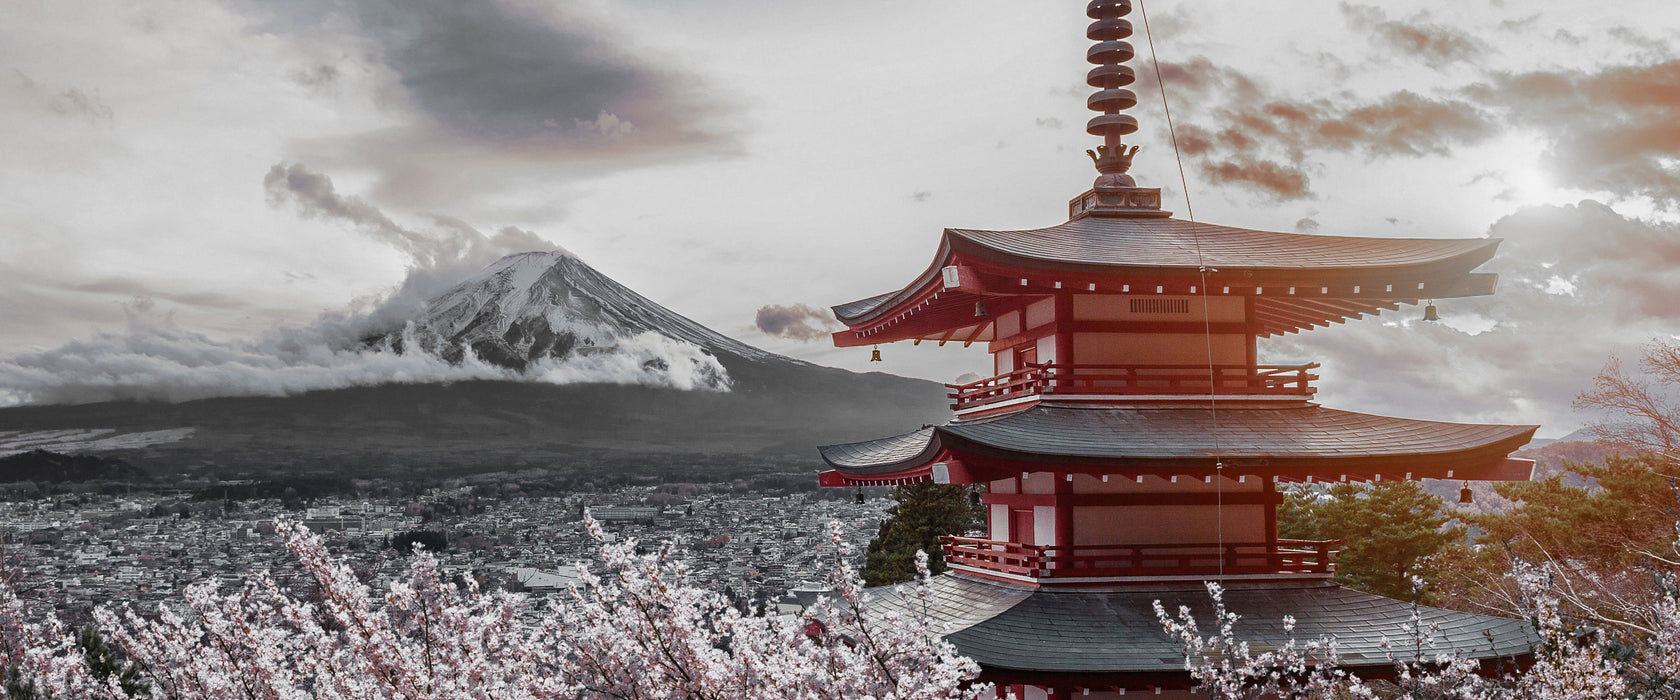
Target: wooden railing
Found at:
1119, 560
1134, 380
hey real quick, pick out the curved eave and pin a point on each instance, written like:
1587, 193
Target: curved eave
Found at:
1012, 629
1327, 278
1185, 246
1286, 444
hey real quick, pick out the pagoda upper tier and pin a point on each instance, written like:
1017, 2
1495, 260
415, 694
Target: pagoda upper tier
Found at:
1286, 281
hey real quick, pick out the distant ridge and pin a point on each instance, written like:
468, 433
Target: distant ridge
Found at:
42, 465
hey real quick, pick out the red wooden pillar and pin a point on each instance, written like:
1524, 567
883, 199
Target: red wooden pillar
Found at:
1064, 510
1064, 330
1253, 357
1271, 512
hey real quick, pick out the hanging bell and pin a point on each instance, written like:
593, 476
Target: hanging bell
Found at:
1430, 314
1464, 495
974, 497
875, 355
980, 309
860, 498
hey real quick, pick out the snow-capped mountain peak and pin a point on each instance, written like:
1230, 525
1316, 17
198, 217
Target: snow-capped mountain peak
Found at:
549, 312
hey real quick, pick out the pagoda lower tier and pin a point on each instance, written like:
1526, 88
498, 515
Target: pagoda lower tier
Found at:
1041, 642
1281, 441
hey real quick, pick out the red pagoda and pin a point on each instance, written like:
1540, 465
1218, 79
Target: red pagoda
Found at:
1131, 444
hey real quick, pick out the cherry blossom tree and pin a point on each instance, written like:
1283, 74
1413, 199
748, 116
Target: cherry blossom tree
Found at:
1571, 661
634, 628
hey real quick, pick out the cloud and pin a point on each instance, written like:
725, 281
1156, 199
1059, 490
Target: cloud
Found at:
1437, 45
1577, 284
1520, 24
449, 243
796, 322
66, 102
1264, 143
441, 255
1616, 129
485, 92
160, 362
1569, 37
1282, 182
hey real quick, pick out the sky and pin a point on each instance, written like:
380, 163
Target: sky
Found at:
191, 186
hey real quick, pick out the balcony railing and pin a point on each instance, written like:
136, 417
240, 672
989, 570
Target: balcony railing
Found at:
1121, 560
1136, 380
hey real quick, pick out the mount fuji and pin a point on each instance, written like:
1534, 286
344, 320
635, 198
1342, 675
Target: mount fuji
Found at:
547, 311
595, 374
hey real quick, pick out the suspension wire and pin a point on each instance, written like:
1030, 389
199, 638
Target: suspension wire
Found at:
1207, 317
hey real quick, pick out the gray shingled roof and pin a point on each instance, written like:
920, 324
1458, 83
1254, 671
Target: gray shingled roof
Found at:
884, 454
1011, 627
1153, 242
1287, 431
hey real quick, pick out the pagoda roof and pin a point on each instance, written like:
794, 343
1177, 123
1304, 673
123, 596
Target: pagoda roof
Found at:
1011, 627
1155, 243
1301, 280
1290, 440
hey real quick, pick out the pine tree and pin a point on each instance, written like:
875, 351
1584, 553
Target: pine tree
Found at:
1388, 529
103, 663
923, 512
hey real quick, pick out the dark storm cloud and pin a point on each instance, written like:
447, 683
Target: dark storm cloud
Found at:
1616, 129
796, 322
1437, 45
500, 72
500, 86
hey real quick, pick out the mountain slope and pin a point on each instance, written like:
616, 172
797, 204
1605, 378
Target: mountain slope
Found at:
638, 379
544, 311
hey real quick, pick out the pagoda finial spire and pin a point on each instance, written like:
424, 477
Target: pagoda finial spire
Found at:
1110, 76
1114, 194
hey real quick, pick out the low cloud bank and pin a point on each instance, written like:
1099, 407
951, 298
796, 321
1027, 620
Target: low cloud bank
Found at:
154, 360
162, 363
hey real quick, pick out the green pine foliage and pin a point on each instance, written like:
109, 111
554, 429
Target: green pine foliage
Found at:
1389, 532
1608, 515
923, 512
103, 663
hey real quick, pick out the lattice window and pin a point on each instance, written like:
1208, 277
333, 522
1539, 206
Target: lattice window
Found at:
1160, 306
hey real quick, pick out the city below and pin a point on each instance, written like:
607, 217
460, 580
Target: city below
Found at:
77, 551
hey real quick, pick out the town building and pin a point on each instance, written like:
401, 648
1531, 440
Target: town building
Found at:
1131, 445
